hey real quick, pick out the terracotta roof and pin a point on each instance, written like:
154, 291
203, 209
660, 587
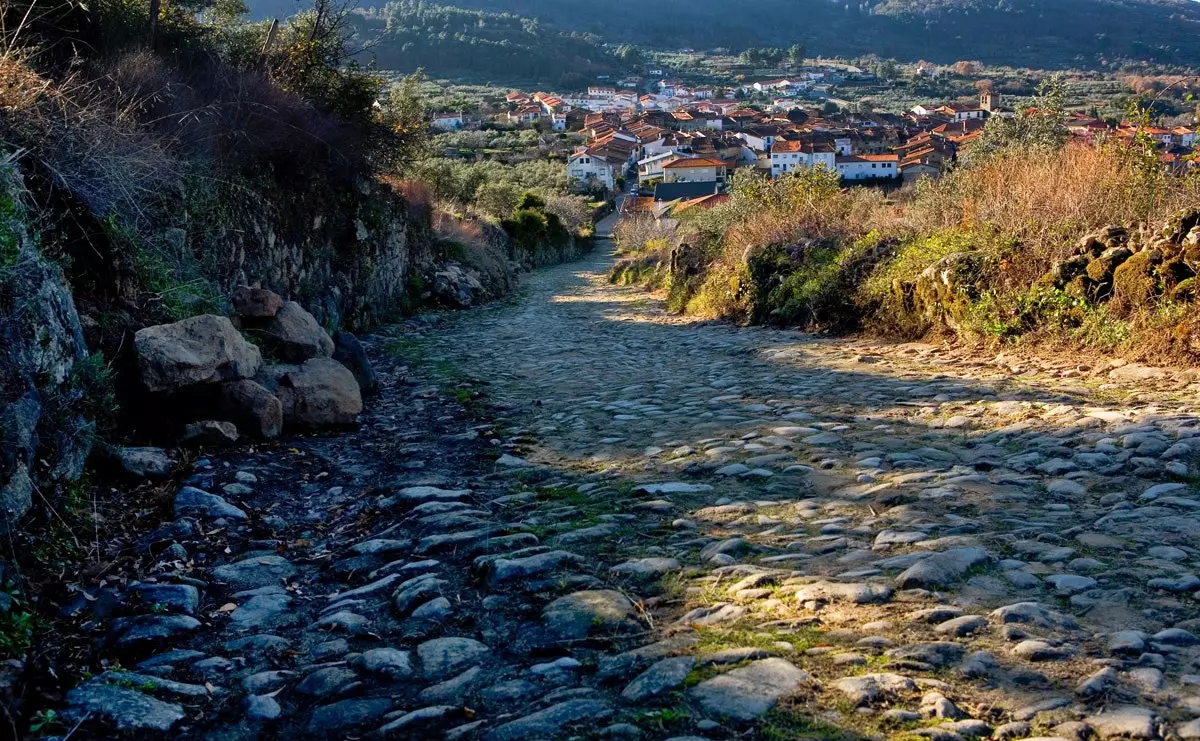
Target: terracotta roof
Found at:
703, 202
638, 205
694, 162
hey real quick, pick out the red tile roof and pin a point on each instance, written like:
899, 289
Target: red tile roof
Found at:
694, 162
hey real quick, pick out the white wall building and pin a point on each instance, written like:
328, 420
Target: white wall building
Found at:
588, 169
868, 166
448, 121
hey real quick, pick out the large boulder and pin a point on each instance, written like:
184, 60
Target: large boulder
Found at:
348, 351
321, 392
1135, 281
946, 289
254, 409
197, 350
256, 303
295, 335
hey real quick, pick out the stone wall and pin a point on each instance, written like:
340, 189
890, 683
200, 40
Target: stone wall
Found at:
351, 263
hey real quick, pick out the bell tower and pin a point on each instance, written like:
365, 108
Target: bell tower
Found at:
989, 100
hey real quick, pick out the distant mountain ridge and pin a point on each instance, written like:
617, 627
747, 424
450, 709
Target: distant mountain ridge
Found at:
1035, 33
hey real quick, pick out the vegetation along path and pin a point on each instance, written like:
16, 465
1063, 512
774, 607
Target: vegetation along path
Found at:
574, 515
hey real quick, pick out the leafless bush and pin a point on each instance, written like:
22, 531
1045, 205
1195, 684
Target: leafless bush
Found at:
571, 210
633, 233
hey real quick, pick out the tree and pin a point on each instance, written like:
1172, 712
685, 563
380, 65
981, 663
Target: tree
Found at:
1040, 126
797, 53
630, 55
404, 117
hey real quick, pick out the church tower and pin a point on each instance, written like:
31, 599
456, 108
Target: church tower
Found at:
989, 100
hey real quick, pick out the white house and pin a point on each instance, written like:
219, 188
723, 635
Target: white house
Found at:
759, 138
588, 168
558, 122
868, 166
601, 91
924, 110
651, 167
789, 156
963, 112
447, 121
1187, 137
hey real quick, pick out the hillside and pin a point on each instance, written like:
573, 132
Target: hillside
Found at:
1038, 33
466, 44
479, 45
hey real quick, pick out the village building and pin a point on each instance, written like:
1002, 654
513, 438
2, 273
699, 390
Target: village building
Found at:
791, 155
448, 121
694, 170
868, 166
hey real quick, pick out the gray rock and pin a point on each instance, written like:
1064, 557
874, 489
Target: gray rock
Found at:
729, 547
319, 393
200, 349
1029, 712
182, 598
645, 569
1175, 637
267, 681
143, 631
387, 662
1127, 642
962, 626
191, 501
255, 303
625, 664
295, 335
125, 709
1034, 650
326, 682
347, 714
258, 571
252, 407
661, 677
419, 723
870, 689
266, 645
1124, 721
503, 571
435, 610
936, 654
1189, 731
1032, 613
209, 432
748, 692
1067, 584
452, 691
943, 569
261, 707
550, 722
595, 612
145, 463
859, 594
1097, 683
345, 621
348, 351
443, 657
1017, 729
